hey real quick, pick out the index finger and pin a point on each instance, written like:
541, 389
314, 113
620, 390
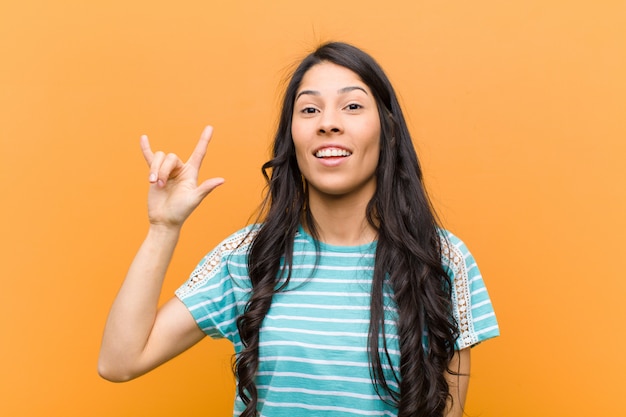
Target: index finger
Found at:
199, 152
146, 150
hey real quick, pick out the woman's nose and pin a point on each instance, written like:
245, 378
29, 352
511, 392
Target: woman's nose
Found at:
330, 122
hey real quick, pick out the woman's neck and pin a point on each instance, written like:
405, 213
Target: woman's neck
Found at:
341, 221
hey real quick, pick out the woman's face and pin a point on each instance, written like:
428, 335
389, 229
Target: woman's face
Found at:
336, 133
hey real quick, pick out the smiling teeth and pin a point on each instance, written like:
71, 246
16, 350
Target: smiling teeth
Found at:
325, 153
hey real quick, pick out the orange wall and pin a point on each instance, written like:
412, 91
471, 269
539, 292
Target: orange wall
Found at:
518, 110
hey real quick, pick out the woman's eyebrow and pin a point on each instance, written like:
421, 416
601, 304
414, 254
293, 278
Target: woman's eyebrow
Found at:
343, 90
310, 92
350, 88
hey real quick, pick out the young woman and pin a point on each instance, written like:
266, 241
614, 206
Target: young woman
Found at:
347, 298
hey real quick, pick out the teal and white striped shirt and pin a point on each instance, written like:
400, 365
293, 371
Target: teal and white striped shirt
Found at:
313, 342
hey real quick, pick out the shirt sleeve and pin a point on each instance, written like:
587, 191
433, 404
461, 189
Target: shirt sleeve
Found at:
216, 292
471, 304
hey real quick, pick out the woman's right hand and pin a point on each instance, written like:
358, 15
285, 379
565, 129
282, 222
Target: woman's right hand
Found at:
174, 190
139, 336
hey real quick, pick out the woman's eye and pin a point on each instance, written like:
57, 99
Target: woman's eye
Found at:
309, 110
353, 106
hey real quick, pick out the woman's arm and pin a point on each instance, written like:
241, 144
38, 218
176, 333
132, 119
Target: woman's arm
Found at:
458, 384
137, 336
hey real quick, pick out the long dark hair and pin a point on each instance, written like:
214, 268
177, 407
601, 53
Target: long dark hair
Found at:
408, 255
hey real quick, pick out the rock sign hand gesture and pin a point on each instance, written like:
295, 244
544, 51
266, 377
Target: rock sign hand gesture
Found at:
174, 191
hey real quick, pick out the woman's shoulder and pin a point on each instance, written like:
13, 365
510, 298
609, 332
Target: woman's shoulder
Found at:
451, 243
228, 256
235, 246
239, 240
455, 254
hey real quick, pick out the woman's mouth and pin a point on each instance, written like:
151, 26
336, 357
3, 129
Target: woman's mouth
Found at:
330, 152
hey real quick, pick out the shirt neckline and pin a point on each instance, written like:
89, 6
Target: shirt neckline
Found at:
364, 248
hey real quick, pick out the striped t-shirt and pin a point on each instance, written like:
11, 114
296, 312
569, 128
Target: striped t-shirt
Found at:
313, 341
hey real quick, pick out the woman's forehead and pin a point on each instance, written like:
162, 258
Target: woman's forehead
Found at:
327, 77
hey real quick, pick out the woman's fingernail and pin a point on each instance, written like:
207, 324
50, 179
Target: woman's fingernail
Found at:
152, 177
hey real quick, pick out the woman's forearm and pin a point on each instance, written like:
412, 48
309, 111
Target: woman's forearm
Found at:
458, 382
134, 310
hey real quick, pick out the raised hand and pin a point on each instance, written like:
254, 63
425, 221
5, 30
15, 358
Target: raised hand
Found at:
174, 189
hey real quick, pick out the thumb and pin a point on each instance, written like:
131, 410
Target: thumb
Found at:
209, 185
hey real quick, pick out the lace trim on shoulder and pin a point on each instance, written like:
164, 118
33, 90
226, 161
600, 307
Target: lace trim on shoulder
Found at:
454, 258
238, 242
